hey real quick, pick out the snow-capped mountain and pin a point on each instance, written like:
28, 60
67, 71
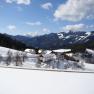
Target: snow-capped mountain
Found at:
60, 40
76, 37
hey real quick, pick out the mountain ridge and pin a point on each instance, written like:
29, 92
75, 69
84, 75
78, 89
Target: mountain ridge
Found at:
59, 40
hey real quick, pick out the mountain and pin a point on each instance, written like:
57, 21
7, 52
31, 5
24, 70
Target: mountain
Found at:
7, 41
77, 40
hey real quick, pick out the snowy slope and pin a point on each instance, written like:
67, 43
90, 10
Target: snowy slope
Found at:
4, 50
32, 62
90, 51
18, 81
76, 36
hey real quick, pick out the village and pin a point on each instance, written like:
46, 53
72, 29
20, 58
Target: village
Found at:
62, 59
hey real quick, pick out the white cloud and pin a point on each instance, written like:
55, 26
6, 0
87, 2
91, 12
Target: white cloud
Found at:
32, 34
9, 1
45, 30
38, 33
75, 10
11, 27
78, 27
38, 23
25, 2
47, 5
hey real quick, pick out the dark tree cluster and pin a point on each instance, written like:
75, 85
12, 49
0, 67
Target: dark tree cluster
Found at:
7, 41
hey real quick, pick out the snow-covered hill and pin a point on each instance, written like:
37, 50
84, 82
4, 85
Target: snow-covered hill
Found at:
77, 37
43, 81
51, 61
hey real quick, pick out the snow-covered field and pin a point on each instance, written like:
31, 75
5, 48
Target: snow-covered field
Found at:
19, 81
51, 81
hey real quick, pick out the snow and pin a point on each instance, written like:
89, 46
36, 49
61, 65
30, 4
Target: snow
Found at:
89, 67
19, 81
69, 54
88, 33
51, 61
32, 80
60, 35
83, 37
48, 52
4, 50
90, 51
62, 50
67, 37
30, 51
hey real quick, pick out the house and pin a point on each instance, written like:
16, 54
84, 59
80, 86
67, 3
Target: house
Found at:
89, 56
32, 51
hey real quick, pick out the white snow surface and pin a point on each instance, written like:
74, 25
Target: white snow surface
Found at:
88, 33
90, 51
60, 35
62, 50
32, 60
19, 81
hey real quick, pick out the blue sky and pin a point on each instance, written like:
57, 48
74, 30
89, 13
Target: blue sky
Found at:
38, 17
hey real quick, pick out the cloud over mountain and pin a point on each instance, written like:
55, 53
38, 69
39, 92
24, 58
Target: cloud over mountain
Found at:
77, 27
11, 27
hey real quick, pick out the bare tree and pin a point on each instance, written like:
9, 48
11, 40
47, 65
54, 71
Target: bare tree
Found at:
39, 60
18, 59
8, 58
1, 58
24, 56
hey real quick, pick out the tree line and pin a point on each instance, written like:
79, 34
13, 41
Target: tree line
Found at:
9, 42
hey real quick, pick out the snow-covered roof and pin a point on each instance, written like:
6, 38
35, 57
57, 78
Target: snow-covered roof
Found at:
62, 50
90, 51
28, 49
48, 52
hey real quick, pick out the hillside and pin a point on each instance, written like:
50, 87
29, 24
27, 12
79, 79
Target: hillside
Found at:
77, 41
51, 62
7, 41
